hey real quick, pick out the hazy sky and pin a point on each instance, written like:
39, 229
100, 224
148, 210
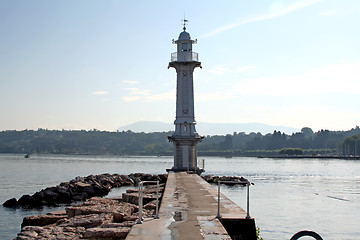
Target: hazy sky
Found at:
103, 64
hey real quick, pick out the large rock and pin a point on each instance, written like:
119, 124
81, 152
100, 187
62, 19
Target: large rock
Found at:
98, 205
86, 221
12, 202
51, 232
27, 200
106, 233
117, 225
134, 198
42, 220
226, 179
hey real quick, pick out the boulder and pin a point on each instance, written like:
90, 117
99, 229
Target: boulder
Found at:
151, 205
51, 232
106, 233
86, 221
41, 220
50, 196
27, 200
98, 205
12, 202
131, 198
117, 225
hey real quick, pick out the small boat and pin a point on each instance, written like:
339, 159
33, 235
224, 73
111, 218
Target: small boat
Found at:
27, 156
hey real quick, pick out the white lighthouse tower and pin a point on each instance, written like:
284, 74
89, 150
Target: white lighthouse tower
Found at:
185, 136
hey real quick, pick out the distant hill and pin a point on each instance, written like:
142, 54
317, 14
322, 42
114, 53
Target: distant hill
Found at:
204, 128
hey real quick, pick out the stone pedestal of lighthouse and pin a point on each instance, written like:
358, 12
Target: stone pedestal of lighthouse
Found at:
185, 136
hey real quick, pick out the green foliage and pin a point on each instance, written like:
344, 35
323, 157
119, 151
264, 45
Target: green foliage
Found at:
291, 151
84, 142
258, 237
130, 143
351, 145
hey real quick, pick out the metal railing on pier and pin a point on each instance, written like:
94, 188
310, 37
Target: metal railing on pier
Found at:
247, 183
141, 196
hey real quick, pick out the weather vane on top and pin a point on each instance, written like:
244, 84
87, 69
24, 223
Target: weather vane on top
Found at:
185, 22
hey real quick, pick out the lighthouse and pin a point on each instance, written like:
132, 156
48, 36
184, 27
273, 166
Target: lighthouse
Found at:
185, 138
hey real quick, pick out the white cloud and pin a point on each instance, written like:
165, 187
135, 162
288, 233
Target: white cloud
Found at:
245, 68
169, 95
136, 94
218, 70
100, 92
131, 98
130, 82
213, 96
332, 78
275, 11
137, 91
330, 12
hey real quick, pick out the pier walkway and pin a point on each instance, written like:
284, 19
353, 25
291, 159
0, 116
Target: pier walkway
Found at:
188, 211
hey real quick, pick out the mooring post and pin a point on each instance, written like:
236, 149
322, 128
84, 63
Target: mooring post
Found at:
218, 212
157, 200
140, 202
248, 201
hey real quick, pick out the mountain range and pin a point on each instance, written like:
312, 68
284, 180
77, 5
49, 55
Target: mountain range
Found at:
205, 128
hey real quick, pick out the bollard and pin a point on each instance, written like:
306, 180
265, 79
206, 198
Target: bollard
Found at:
218, 212
157, 201
248, 201
140, 202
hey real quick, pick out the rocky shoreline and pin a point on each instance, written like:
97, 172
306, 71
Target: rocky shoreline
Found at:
81, 189
227, 180
97, 217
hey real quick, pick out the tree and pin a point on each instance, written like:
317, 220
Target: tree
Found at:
227, 144
308, 132
291, 151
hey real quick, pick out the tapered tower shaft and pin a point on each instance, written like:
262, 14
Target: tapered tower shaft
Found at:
185, 137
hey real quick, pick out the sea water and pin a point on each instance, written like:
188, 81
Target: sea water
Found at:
288, 195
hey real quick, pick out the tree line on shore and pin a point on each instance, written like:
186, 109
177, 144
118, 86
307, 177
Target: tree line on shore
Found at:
43, 141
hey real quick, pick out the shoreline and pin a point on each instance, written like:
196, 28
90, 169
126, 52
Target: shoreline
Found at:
311, 156
344, 157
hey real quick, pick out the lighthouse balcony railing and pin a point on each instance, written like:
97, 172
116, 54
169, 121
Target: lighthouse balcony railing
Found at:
184, 57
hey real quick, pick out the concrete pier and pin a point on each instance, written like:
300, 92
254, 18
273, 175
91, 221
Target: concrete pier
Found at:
188, 211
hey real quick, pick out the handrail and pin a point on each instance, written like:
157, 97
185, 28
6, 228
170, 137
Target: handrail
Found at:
184, 57
140, 200
248, 196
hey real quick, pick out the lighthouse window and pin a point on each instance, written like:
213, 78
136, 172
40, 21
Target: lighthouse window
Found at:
184, 46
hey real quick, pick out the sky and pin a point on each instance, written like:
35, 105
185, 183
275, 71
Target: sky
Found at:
90, 64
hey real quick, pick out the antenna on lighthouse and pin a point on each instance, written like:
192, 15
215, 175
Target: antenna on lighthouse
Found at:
185, 22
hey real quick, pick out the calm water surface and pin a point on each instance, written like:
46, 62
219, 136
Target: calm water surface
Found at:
289, 195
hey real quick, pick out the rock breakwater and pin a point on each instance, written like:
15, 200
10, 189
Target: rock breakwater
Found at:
81, 189
96, 218
225, 179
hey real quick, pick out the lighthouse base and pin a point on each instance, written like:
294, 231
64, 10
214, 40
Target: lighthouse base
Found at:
185, 157
197, 171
